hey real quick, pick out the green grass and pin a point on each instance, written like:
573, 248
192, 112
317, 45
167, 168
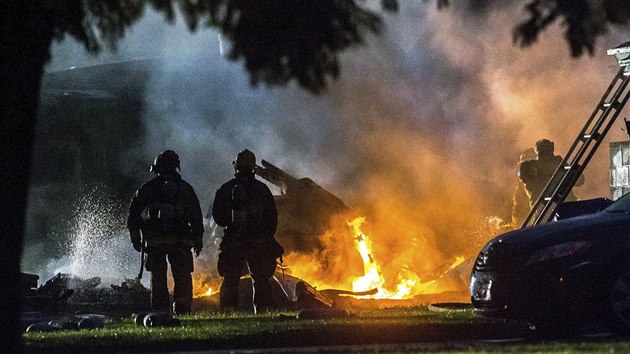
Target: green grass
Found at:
228, 330
363, 331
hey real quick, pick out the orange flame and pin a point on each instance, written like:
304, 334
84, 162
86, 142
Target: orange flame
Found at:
409, 283
394, 278
202, 285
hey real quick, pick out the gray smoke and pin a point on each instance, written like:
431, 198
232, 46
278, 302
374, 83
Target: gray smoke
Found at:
431, 116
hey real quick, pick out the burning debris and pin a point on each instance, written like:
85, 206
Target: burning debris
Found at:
305, 209
327, 249
289, 293
332, 265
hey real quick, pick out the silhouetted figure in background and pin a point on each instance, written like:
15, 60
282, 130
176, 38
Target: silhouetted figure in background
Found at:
247, 210
535, 174
520, 198
166, 210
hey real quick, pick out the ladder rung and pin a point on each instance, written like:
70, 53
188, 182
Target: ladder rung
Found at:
610, 104
595, 136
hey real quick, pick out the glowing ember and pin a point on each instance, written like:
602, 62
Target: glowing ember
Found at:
202, 291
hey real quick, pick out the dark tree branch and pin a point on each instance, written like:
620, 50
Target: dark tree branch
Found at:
584, 21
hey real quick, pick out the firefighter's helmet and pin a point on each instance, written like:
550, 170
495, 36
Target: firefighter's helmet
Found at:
165, 162
528, 154
245, 161
544, 146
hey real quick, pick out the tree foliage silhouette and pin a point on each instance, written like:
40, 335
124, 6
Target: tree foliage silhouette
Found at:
584, 21
278, 40
282, 40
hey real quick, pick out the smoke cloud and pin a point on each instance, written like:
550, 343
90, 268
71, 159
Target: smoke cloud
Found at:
421, 133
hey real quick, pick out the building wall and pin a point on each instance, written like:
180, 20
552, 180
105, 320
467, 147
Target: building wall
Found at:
619, 169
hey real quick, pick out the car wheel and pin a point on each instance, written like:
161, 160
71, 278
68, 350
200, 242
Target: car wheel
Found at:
619, 304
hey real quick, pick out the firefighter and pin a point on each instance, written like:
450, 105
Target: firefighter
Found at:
520, 198
535, 174
165, 219
245, 207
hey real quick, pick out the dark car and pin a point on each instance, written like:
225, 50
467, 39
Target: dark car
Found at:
561, 274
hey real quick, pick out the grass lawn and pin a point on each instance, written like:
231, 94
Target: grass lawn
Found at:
385, 330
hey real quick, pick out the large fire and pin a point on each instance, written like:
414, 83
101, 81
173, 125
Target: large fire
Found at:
409, 283
393, 274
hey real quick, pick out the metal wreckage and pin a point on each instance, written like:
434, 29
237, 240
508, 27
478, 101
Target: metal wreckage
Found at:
305, 210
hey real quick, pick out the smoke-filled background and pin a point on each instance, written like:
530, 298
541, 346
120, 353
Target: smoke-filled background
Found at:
421, 134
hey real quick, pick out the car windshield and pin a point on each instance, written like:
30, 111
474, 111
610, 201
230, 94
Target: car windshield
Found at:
621, 205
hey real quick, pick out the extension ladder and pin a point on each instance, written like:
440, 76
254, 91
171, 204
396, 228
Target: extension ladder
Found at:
587, 142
